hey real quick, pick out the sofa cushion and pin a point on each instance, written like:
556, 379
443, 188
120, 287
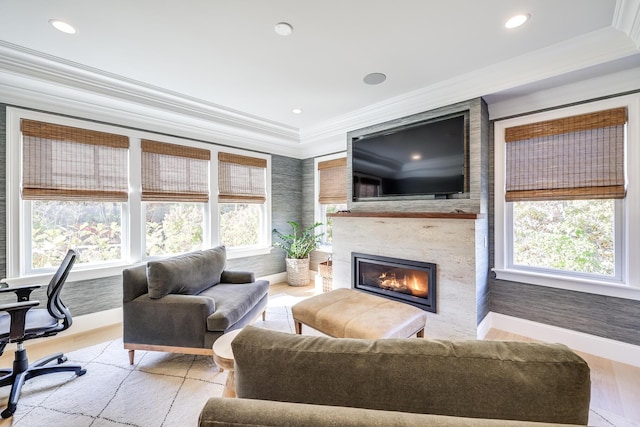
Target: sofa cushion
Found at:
233, 302
187, 274
477, 379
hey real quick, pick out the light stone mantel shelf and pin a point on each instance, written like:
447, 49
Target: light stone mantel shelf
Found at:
445, 215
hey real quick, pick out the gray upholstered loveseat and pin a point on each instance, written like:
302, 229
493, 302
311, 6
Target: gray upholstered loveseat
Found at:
184, 303
286, 379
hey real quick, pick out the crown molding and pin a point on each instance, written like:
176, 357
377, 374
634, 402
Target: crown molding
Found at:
626, 18
35, 80
581, 52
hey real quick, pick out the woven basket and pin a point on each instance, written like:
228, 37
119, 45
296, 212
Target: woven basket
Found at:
326, 272
297, 271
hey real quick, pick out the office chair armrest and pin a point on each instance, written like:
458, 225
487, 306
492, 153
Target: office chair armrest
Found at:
22, 292
18, 313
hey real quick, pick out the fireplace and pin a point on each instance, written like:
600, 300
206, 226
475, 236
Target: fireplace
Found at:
412, 282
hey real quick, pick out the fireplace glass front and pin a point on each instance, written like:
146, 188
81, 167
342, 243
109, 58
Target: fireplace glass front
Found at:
412, 282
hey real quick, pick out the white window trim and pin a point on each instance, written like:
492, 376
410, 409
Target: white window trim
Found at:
317, 208
628, 285
133, 230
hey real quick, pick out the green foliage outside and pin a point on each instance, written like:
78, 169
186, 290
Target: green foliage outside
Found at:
328, 228
239, 224
575, 235
173, 228
92, 228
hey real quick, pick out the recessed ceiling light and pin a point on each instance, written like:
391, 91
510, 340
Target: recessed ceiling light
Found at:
62, 26
283, 29
374, 78
416, 156
297, 111
517, 20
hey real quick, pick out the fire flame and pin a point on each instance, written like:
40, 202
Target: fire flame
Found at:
412, 284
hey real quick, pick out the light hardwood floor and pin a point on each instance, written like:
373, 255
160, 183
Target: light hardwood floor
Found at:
615, 389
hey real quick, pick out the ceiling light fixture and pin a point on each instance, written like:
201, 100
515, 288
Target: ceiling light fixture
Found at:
62, 26
416, 156
374, 78
517, 20
297, 111
283, 29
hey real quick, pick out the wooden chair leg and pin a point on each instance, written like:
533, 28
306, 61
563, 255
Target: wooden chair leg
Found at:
131, 356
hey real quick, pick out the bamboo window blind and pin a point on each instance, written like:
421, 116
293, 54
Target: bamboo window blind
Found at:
241, 179
174, 173
578, 157
333, 181
68, 163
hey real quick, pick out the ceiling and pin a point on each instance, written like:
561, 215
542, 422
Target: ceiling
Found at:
226, 54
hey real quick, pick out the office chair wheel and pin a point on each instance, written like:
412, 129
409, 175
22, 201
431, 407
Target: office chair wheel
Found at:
62, 359
81, 372
8, 412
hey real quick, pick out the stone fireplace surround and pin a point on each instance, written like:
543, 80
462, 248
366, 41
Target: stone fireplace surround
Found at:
454, 244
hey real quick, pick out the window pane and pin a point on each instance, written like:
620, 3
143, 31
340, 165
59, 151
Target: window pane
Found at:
328, 221
94, 229
576, 235
240, 224
173, 228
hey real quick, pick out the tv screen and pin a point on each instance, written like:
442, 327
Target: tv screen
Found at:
426, 158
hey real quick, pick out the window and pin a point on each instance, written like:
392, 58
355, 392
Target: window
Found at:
241, 199
175, 188
122, 196
332, 193
74, 183
562, 200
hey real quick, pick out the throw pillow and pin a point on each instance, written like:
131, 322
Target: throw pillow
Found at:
187, 274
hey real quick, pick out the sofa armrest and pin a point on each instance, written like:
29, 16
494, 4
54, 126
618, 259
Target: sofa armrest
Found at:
220, 411
237, 277
134, 282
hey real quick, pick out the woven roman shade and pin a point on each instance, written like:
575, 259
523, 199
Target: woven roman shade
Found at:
578, 157
174, 173
241, 179
333, 181
68, 163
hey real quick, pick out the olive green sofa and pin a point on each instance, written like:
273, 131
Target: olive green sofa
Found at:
292, 380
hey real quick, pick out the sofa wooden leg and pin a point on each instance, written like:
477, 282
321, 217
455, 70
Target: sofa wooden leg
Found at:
264, 315
420, 333
298, 328
131, 356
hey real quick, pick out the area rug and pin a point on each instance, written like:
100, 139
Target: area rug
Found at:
160, 389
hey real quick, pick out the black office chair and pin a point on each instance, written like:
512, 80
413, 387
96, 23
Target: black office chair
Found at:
21, 322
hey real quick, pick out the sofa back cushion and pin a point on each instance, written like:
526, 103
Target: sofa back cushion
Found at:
187, 274
477, 379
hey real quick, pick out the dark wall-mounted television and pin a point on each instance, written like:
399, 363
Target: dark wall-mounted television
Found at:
419, 159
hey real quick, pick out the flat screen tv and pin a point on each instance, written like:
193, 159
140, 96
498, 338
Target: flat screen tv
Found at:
420, 159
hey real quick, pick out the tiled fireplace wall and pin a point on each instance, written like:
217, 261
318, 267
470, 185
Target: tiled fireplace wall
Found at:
457, 246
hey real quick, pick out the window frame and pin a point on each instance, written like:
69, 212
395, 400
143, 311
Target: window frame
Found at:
627, 282
18, 230
318, 211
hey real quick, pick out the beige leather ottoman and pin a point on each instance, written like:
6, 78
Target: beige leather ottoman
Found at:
347, 313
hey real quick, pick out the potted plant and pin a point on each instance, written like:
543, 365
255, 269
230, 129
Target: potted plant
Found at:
298, 245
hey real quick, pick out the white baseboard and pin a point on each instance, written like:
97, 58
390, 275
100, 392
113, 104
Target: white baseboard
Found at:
275, 278
579, 341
